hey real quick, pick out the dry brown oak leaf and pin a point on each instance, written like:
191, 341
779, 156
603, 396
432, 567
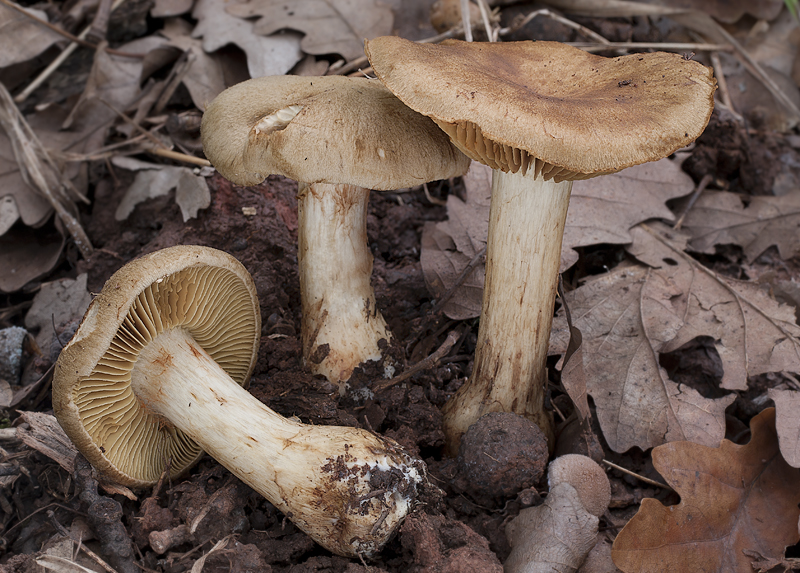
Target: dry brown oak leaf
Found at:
330, 26
787, 414
601, 210
733, 499
719, 218
631, 315
753, 332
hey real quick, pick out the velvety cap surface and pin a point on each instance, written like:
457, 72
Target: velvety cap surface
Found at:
549, 107
204, 291
586, 476
324, 130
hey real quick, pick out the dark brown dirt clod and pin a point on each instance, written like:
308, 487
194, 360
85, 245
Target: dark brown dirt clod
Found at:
500, 455
438, 543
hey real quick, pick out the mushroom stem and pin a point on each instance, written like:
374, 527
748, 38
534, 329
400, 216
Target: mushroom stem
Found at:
523, 253
345, 487
341, 326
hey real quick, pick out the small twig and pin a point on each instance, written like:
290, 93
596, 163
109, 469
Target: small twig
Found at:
637, 476
432, 200
350, 67
445, 298
66, 34
40, 171
552, 15
425, 363
673, 46
487, 24
178, 156
8, 435
99, 28
707, 178
722, 83
465, 23
161, 149
755, 69
63, 531
122, 115
54, 65
55, 330
359, 62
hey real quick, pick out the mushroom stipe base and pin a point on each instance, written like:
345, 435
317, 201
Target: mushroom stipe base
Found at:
526, 225
345, 487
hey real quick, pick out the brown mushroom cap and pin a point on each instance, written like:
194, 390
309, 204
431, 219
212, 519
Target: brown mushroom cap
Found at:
549, 107
586, 476
204, 291
329, 129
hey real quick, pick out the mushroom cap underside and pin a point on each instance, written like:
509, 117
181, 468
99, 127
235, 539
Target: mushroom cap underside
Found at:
547, 107
329, 129
204, 291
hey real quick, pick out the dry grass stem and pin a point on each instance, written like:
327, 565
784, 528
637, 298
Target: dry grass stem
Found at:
40, 172
428, 362
707, 178
66, 34
465, 22
637, 476
56, 63
552, 15
663, 46
178, 156
89, 553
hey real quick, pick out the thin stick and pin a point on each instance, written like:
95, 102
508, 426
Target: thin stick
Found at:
476, 260
637, 476
484, 8
66, 34
178, 156
39, 170
425, 363
133, 123
359, 62
161, 149
63, 531
707, 178
724, 94
54, 65
465, 23
674, 46
552, 15
755, 68
432, 200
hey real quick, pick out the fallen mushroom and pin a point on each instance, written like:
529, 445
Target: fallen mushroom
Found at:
338, 137
540, 114
155, 373
560, 533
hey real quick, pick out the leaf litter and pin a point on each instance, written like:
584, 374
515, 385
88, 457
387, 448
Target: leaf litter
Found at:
670, 300
733, 498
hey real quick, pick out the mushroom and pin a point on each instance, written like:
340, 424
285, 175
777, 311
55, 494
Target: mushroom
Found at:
540, 114
338, 137
155, 375
560, 533
586, 476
